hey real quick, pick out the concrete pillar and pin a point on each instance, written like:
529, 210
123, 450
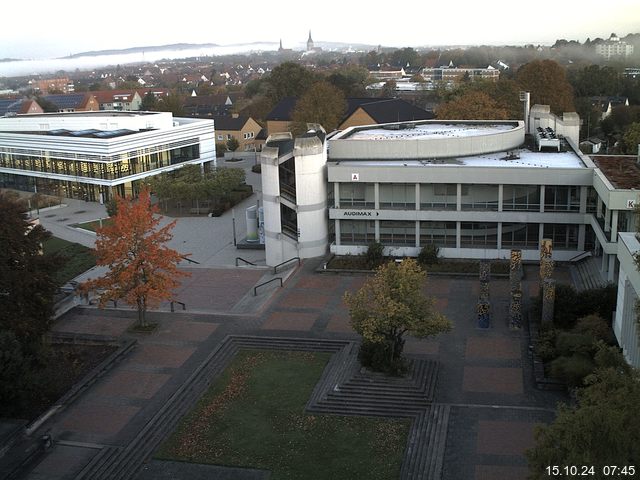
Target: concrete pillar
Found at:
540, 233
417, 196
418, 233
542, 198
377, 230
607, 220
582, 235
458, 240
459, 197
337, 232
500, 201
499, 234
612, 269
376, 195
336, 195
599, 206
614, 226
603, 264
584, 192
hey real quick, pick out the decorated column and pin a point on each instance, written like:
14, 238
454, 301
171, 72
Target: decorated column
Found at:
548, 300
483, 305
515, 310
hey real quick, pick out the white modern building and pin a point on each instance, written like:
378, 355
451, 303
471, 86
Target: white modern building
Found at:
625, 324
94, 155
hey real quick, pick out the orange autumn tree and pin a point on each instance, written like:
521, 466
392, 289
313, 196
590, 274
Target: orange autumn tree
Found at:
142, 269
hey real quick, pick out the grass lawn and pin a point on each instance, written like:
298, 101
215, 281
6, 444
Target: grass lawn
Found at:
93, 225
76, 258
254, 417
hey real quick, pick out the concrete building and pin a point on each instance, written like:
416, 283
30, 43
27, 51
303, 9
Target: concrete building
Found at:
614, 47
93, 155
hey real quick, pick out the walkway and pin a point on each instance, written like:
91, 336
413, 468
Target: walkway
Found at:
484, 378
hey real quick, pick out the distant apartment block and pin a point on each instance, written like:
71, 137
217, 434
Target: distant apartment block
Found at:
53, 85
614, 47
455, 74
633, 72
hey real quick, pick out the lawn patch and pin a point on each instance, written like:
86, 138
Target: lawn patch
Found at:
254, 417
76, 258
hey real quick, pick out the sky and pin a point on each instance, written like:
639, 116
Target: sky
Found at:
48, 29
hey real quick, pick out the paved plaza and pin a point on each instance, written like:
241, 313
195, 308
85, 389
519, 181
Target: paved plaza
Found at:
485, 375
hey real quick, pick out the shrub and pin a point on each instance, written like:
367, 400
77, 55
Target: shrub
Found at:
545, 347
112, 206
257, 168
568, 343
610, 356
598, 300
564, 313
572, 370
375, 356
596, 327
428, 255
374, 256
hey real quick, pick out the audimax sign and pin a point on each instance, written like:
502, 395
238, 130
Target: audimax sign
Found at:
360, 213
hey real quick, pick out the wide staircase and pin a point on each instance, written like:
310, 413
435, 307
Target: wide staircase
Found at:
586, 274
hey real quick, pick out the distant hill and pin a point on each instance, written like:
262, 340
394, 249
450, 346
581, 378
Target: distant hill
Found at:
155, 48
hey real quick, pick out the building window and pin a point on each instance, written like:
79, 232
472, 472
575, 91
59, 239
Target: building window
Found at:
480, 197
563, 236
521, 198
357, 195
562, 198
229, 136
438, 196
398, 233
478, 235
357, 232
220, 137
401, 196
441, 234
520, 235
289, 222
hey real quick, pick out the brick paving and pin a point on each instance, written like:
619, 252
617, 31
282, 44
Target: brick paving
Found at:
478, 368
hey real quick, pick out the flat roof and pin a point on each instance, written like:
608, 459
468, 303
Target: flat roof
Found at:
517, 158
86, 133
622, 171
407, 131
96, 113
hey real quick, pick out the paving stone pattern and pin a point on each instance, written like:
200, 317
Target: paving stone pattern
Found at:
470, 395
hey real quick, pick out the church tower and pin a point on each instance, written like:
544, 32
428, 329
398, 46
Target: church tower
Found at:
309, 43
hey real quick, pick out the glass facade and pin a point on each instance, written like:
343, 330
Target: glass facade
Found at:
357, 232
521, 198
400, 196
563, 236
396, 233
124, 165
478, 235
520, 235
441, 234
562, 198
438, 196
480, 197
357, 195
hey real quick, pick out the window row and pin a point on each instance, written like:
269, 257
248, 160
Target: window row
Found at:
444, 196
443, 234
102, 170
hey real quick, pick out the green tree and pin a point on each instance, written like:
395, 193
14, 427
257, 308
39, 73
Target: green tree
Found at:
174, 103
391, 304
547, 82
47, 105
405, 57
322, 103
352, 80
388, 90
288, 80
232, 144
603, 429
631, 139
149, 103
472, 105
27, 282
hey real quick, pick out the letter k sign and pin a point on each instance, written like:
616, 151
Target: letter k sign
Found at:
355, 177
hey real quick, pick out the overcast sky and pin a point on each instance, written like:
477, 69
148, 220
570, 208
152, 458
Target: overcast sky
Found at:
46, 29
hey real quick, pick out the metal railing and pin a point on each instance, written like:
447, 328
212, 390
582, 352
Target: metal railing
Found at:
184, 307
188, 259
275, 269
245, 261
255, 289
580, 256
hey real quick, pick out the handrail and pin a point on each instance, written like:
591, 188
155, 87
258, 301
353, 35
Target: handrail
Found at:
245, 261
188, 259
580, 256
184, 306
286, 261
255, 289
